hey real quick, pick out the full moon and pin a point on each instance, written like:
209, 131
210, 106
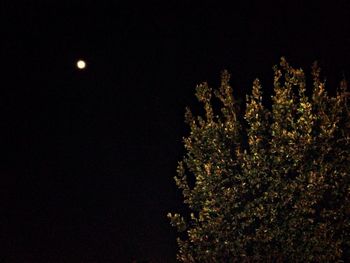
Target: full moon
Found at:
81, 64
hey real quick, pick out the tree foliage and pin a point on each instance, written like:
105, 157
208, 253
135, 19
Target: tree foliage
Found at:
268, 184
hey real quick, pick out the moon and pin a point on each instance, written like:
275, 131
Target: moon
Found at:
81, 64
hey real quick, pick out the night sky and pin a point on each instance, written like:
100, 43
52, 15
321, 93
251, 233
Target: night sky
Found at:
88, 156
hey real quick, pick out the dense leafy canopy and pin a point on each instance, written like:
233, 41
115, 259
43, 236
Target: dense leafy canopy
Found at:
267, 184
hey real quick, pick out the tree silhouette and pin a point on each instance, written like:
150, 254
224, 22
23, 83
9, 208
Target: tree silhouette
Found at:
267, 185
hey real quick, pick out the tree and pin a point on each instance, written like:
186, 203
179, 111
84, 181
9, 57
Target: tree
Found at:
267, 184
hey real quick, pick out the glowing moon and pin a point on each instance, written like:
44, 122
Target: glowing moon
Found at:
81, 64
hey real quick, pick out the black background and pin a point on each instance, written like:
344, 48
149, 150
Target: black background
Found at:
88, 157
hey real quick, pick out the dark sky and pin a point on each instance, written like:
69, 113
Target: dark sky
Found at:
88, 157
